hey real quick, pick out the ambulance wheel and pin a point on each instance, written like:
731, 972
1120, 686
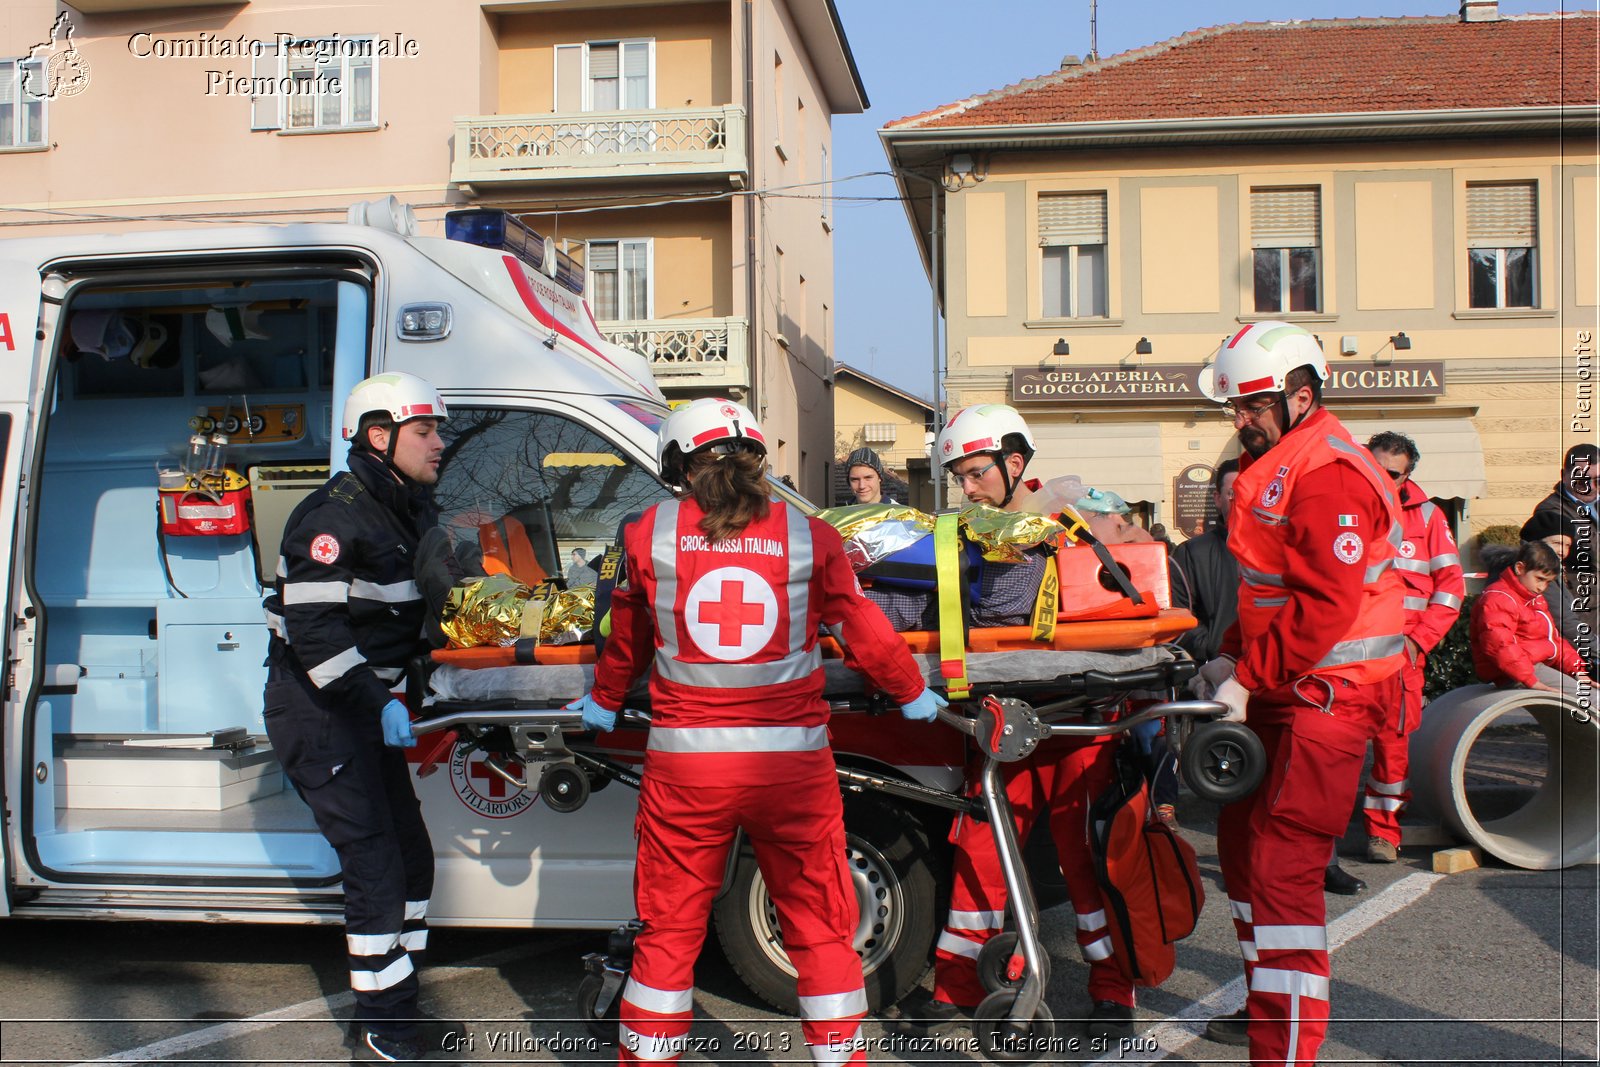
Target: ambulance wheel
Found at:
995, 958
564, 787
603, 1028
893, 870
1223, 761
1000, 1041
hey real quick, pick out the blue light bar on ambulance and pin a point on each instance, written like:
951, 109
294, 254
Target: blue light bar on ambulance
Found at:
504, 232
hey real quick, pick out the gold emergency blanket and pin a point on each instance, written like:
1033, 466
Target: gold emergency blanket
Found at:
499, 610
872, 532
1003, 535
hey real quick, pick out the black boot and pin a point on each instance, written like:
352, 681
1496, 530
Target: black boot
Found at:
1229, 1029
1338, 880
921, 1016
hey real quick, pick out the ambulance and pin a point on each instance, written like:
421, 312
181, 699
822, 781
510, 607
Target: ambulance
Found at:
139, 783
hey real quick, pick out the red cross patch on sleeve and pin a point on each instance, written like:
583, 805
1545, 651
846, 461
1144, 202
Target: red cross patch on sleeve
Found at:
324, 548
1348, 548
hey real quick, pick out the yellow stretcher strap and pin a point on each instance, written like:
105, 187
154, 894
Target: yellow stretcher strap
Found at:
951, 574
1047, 604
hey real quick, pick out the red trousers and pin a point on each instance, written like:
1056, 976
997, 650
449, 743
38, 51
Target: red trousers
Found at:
797, 830
1389, 783
1063, 778
1274, 845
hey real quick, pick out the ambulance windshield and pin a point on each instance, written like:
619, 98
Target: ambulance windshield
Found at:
537, 479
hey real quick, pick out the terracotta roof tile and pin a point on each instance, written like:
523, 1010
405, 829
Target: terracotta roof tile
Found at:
1309, 67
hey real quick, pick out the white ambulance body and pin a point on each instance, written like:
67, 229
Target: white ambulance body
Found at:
135, 657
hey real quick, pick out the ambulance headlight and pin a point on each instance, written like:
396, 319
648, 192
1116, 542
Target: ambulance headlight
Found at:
423, 322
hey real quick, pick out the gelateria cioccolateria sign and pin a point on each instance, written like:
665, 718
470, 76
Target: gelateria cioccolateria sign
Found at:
1179, 381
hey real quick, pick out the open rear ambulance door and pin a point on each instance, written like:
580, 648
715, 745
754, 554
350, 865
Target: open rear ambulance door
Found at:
21, 316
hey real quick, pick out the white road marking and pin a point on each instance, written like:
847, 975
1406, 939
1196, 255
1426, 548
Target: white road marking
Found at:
316, 1008
1186, 1027
1171, 1036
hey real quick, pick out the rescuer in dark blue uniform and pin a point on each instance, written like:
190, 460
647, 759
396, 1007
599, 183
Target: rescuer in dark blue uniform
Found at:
345, 617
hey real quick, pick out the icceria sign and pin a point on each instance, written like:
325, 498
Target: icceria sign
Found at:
1112, 383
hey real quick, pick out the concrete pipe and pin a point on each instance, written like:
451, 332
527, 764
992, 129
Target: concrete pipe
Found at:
1559, 826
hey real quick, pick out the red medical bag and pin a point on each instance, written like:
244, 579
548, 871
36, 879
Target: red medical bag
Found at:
1149, 879
217, 505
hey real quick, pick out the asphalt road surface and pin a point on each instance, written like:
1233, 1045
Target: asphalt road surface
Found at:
1490, 966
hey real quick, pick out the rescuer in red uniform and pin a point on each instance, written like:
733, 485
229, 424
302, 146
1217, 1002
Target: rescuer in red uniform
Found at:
1430, 565
1318, 649
723, 595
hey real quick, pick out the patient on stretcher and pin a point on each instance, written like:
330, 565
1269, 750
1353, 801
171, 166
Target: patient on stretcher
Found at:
1017, 568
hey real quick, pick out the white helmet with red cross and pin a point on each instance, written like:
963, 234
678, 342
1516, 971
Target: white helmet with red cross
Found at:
1258, 358
983, 428
701, 424
401, 396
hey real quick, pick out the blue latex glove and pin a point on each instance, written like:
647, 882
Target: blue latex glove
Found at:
926, 707
594, 716
397, 726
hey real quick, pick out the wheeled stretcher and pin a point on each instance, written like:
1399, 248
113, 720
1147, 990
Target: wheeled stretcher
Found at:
508, 702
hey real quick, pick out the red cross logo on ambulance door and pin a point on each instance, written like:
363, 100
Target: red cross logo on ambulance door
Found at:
731, 613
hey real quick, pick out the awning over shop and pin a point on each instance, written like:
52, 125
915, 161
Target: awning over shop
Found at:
1122, 457
1452, 453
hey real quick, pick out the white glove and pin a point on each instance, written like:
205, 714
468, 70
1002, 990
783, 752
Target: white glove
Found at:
1212, 674
1236, 696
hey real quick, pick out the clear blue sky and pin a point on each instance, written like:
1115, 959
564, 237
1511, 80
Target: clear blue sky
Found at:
918, 54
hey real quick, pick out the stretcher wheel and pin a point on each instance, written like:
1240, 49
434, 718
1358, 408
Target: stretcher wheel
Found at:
603, 1028
564, 787
1004, 1042
995, 959
1223, 761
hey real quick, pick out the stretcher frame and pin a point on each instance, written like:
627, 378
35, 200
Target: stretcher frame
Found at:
998, 719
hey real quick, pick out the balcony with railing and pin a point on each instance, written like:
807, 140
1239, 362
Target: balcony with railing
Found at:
601, 145
700, 354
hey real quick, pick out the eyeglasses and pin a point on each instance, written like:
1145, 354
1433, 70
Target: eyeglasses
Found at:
1232, 412
973, 476
1398, 476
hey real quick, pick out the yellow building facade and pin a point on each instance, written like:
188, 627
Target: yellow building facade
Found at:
1110, 225
868, 412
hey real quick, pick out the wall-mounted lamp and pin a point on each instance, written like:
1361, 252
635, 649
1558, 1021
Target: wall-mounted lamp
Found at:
1061, 348
1144, 347
963, 168
1401, 342
1348, 345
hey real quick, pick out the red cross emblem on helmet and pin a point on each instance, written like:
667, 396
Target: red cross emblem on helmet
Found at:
730, 411
949, 446
1222, 383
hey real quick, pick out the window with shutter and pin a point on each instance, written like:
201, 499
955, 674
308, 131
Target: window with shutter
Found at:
619, 279
329, 84
1502, 243
21, 111
1286, 243
266, 111
1072, 219
1072, 236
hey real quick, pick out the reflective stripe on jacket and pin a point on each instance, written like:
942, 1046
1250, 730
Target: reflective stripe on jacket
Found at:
1430, 566
731, 630
1372, 646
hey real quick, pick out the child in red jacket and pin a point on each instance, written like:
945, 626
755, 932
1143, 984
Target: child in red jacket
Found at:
1515, 642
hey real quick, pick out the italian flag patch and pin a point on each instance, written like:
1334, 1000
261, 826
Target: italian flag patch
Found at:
1347, 520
